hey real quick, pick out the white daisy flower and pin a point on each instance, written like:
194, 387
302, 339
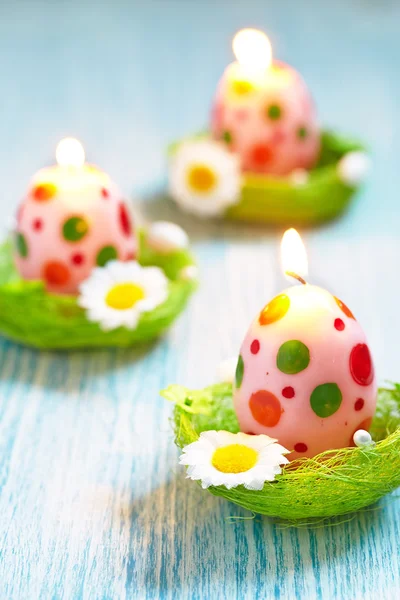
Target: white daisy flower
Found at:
204, 177
232, 459
118, 293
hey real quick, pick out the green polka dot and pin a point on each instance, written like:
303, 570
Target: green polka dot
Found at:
105, 255
302, 133
75, 229
274, 112
227, 137
239, 372
326, 399
293, 357
21, 245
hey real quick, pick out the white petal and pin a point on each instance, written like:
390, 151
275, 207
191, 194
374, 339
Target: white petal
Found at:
219, 438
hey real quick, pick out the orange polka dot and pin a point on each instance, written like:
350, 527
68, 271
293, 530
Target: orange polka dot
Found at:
275, 310
265, 408
56, 273
344, 308
44, 192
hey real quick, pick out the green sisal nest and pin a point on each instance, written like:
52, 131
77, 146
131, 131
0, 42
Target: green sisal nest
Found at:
333, 483
32, 316
279, 201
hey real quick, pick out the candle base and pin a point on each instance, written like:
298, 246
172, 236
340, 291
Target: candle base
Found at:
333, 483
34, 317
303, 198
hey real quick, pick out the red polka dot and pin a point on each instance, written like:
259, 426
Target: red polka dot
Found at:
56, 273
301, 447
130, 256
344, 308
361, 367
105, 193
265, 408
261, 154
78, 259
250, 433
37, 224
288, 392
124, 220
339, 324
255, 347
359, 404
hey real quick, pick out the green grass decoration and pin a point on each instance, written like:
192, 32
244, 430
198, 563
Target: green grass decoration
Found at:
278, 201
31, 316
333, 483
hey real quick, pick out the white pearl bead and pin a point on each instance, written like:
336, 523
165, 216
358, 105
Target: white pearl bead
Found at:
362, 438
353, 168
165, 237
189, 273
299, 177
226, 370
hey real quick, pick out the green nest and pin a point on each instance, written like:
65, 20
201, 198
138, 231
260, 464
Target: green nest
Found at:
32, 316
279, 201
333, 483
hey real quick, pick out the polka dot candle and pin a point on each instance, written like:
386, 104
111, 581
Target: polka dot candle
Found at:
72, 219
263, 110
305, 374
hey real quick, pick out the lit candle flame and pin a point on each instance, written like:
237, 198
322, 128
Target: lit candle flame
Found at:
70, 153
293, 256
252, 49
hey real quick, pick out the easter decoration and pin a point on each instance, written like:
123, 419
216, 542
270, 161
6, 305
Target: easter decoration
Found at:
78, 274
265, 158
298, 430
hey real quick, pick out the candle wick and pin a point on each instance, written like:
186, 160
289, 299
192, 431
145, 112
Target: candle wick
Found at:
295, 276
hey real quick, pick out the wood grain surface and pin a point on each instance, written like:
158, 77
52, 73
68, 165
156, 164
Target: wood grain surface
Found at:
92, 502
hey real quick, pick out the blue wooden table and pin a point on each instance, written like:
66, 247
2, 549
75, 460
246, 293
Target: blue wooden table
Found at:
92, 502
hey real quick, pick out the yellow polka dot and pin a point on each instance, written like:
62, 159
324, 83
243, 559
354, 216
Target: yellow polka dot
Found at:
124, 296
201, 179
275, 310
235, 458
241, 87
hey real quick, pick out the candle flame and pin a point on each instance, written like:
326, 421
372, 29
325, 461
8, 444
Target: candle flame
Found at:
70, 153
252, 49
293, 255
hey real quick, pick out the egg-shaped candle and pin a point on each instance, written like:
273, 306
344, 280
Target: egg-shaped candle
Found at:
305, 375
72, 219
263, 110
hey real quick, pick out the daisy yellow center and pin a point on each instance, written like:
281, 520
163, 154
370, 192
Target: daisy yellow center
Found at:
235, 458
124, 296
201, 178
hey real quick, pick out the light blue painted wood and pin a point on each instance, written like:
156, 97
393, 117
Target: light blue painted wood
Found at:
92, 503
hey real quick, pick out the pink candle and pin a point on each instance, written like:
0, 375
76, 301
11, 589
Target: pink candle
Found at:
72, 219
263, 110
305, 375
